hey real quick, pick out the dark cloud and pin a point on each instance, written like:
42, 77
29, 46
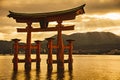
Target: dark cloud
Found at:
47, 5
37, 5
105, 6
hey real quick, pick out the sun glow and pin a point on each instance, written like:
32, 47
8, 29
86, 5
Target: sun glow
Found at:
1, 36
64, 23
113, 16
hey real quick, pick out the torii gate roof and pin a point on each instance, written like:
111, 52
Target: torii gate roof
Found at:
49, 16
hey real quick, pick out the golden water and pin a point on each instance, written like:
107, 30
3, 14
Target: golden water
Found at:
85, 67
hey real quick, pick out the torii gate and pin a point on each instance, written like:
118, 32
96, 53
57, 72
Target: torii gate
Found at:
44, 19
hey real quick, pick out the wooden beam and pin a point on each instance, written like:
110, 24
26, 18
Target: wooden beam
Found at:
55, 61
23, 60
33, 47
46, 29
55, 46
63, 17
22, 46
69, 14
66, 47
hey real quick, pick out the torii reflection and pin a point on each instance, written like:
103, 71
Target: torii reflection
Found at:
59, 75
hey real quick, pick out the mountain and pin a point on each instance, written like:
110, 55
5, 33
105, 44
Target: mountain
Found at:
5, 46
95, 39
97, 42
90, 42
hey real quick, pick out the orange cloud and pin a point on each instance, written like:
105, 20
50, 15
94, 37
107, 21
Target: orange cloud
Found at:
97, 17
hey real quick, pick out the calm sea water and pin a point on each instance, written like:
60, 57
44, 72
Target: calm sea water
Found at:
85, 67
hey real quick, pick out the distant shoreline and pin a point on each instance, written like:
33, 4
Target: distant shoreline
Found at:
55, 54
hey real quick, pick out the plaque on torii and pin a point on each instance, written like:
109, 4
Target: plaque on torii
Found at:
44, 19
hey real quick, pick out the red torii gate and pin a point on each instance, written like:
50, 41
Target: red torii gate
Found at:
44, 19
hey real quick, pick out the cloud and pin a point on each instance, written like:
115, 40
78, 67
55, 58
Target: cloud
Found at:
83, 23
98, 6
7, 30
1, 36
97, 22
47, 5
37, 5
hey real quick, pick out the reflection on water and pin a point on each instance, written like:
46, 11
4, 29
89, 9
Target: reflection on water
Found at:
67, 75
14, 74
85, 67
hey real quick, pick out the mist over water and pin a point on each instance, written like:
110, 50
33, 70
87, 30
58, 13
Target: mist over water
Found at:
85, 67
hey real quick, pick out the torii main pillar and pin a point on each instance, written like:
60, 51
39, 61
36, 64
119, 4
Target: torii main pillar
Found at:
60, 53
28, 47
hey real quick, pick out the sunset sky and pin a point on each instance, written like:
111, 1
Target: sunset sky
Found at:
100, 15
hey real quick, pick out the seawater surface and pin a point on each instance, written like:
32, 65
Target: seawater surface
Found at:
85, 67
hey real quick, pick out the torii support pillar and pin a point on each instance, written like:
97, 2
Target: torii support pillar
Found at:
16, 50
50, 47
38, 45
70, 60
28, 47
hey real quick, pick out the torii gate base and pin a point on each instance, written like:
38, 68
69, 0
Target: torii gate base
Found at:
60, 51
60, 61
16, 60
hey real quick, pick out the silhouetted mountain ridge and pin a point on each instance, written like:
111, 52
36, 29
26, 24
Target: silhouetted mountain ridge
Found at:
95, 38
103, 41
90, 41
92, 38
